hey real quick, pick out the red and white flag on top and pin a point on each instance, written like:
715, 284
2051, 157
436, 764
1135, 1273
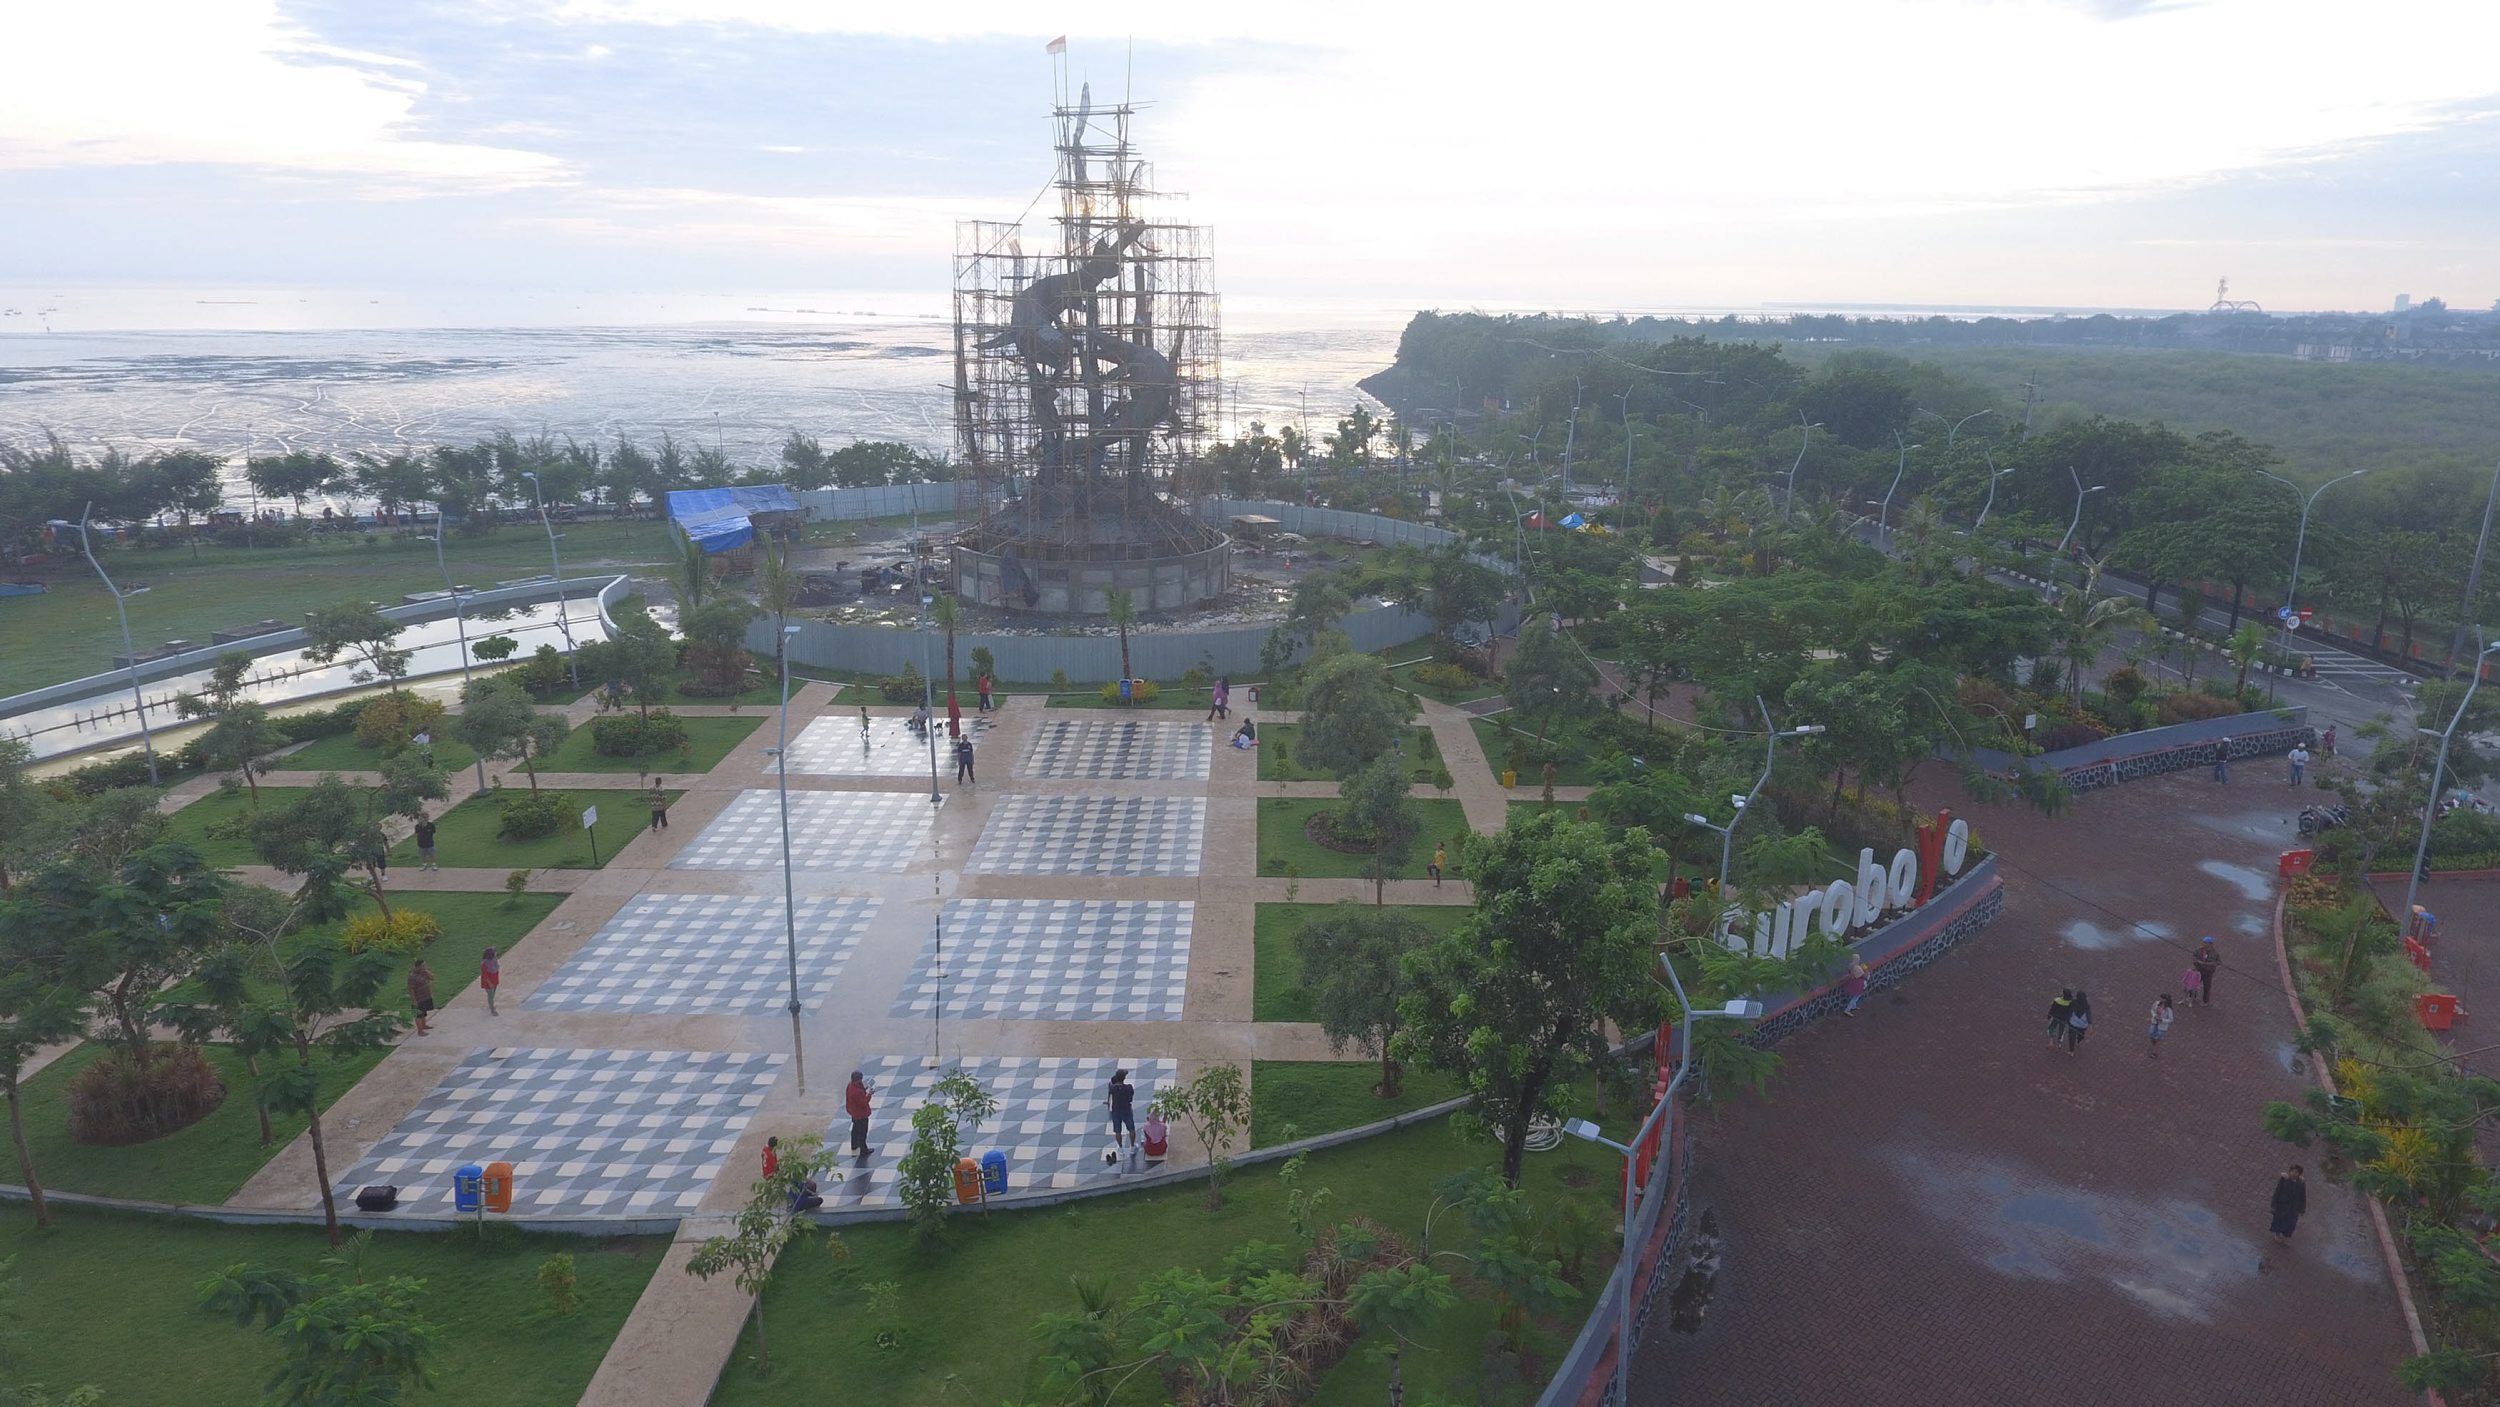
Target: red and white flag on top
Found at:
1056, 46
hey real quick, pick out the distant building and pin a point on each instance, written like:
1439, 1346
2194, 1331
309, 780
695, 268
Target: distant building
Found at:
2404, 301
2323, 351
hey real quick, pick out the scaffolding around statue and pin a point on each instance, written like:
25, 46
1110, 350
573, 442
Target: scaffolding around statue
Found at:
1088, 385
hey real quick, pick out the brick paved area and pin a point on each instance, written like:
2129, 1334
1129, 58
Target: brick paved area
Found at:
1931, 1207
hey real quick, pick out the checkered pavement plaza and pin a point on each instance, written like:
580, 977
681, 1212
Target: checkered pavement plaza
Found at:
620, 1132
705, 954
834, 747
1056, 960
1098, 749
881, 832
1053, 1120
1114, 836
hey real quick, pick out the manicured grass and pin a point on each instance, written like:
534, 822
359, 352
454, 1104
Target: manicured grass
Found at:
466, 835
202, 1165
70, 630
198, 823
1276, 763
1575, 758
471, 924
708, 740
1278, 994
1170, 694
1285, 847
343, 753
1404, 677
1292, 1099
113, 1301
959, 1347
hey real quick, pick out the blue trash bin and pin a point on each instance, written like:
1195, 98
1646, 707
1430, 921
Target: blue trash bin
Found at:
993, 1173
468, 1189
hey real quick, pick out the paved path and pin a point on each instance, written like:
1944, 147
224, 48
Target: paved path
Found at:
1930, 1207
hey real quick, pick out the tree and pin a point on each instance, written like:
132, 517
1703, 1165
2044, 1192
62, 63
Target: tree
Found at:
1122, 608
187, 482
346, 1339
394, 482
1516, 1004
1450, 586
44, 999
716, 641
1401, 1303
925, 1176
636, 665
692, 578
1352, 965
1216, 1108
765, 1225
29, 819
324, 836
146, 922
498, 719
1351, 713
241, 735
2086, 624
2246, 646
803, 463
294, 476
1373, 806
948, 616
1318, 603
1547, 678
360, 630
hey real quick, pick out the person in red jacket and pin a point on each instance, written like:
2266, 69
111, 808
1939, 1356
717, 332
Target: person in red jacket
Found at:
772, 1158
855, 1104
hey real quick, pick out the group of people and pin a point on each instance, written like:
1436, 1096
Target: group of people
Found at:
859, 1106
2070, 1014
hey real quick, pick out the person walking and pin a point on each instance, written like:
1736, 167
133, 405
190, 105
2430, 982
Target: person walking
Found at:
772, 1157
658, 797
2291, 1198
986, 705
963, 760
1123, 1099
2208, 962
863, 723
2326, 742
2300, 763
2059, 1010
2078, 1021
1853, 986
855, 1104
2191, 982
2162, 1016
421, 995
425, 841
1440, 859
2222, 760
489, 977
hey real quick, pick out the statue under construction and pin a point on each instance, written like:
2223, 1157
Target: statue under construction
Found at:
1086, 380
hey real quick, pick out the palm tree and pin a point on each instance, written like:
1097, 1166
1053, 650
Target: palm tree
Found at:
2086, 625
2245, 647
946, 615
694, 578
1123, 610
776, 588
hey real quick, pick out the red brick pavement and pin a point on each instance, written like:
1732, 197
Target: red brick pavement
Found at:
1929, 1207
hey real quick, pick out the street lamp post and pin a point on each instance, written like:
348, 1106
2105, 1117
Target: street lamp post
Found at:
460, 619
564, 622
1626, 398
130, 652
1770, 754
2291, 589
2430, 806
1883, 534
789, 886
1954, 428
1994, 474
928, 686
1788, 503
2081, 493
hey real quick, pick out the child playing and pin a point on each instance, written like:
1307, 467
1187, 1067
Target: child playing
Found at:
2191, 982
2163, 1015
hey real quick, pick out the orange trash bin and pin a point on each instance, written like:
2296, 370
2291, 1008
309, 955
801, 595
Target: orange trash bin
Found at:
2438, 1010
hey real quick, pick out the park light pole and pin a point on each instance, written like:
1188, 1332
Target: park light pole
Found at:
130, 652
1953, 427
1883, 534
1770, 754
1626, 398
563, 622
1994, 474
2430, 807
2081, 493
789, 889
2300, 540
1788, 503
460, 619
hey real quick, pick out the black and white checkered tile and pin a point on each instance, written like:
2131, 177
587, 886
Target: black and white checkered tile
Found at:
833, 746
1053, 1120
706, 954
1093, 835
1095, 749
1056, 960
615, 1132
883, 832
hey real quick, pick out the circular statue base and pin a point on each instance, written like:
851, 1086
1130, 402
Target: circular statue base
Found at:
1013, 580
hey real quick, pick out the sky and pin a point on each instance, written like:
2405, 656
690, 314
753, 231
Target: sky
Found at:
2028, 153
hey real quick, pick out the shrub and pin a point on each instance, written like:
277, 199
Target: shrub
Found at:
2057, 737
530, 815
388, 722
1142, 693
515, 885
2124, 685
405, 931
115, 1102
984, 664
631, 735
902, 688
2190, 705
1197, 677
558, 1281
1450, 678
1059, 681
546, 674
2463, 832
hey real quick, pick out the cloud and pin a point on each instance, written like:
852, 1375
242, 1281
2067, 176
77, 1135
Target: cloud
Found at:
223, 82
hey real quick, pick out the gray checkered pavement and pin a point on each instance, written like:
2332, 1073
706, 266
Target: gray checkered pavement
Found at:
706, 954
834, 747
619, 1132
879, 832
1053, 1120
1101, 749
1056, 960
1119, 836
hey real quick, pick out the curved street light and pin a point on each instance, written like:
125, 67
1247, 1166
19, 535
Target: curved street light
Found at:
2081, 493
1953, 428
460, 620
1883, 534
2291, 589
564, 623
1770, 752
1994, 474
1788, 504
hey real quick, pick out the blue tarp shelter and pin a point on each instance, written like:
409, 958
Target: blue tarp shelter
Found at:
721, 520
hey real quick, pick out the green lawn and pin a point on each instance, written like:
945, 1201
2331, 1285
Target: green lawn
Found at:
1276, 764
196, 823
466, 838
958, 1347
1278, 994
70, 630
1292, 1099
708, 740
1170, 694
343, 753
209, 1161
1404, 677
1284, 846
113, 1301
1575, 764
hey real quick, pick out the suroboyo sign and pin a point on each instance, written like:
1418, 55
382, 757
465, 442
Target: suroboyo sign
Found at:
1842, 908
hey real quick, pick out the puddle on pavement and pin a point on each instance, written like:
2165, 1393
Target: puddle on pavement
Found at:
2055, 1211
2252, 884
2253, 925
2092, 937
1690, 1300
2289, 1057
